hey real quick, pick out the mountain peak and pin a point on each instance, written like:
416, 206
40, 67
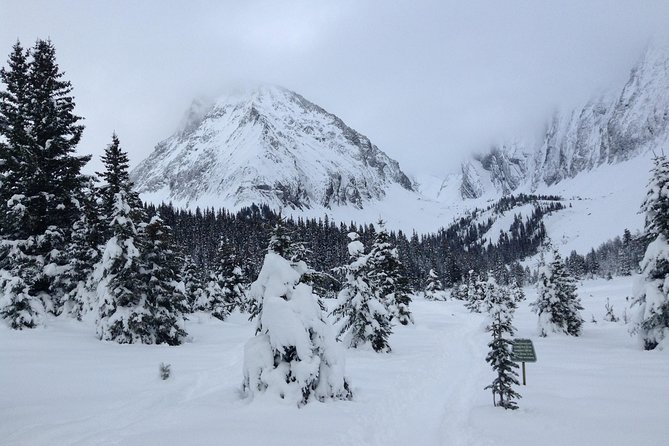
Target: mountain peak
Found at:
266, 144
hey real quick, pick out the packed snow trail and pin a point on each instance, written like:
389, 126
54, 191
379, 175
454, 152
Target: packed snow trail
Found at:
416, 399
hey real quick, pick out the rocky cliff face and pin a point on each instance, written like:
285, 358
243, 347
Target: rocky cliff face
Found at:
607, 129
266, 145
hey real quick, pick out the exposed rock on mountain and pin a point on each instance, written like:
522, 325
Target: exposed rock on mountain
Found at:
608, 129
266, 145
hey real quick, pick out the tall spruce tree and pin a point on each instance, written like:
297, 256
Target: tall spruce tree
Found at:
15, 142
41, 179
363, 318
651, 323
20, 306
500, 308
140, 292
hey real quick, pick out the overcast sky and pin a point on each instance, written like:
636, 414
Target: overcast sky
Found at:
427, 81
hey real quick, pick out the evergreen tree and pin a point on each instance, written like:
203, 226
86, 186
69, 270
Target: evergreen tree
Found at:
40, 179
55, 132
82, 253
363, 318
294, 354
20, 306
500, 310
557, 304
517, 293
475, 293
116, 178
141, 297
227, 284
387, 280
651, 323
165, 294
121, 290
194, 284
14, 140
434, 289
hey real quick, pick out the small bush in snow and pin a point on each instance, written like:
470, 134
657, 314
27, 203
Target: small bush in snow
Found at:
610, 315
165, 371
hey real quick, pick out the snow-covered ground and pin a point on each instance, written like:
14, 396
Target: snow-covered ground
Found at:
60, 385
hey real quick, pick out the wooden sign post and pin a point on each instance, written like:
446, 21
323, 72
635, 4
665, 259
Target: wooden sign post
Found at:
523, 351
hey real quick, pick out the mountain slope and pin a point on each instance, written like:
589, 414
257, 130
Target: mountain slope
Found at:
606, 130
266, 145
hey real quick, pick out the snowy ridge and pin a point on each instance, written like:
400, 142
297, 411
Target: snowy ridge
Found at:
606, 130
266, 145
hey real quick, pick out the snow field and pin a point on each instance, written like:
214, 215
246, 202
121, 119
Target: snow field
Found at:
60, 385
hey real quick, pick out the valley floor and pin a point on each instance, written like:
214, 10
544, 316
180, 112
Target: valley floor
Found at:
60, 385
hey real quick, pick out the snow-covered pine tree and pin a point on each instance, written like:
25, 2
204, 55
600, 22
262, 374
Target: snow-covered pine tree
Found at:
434, 289
116, 178
115, 175
14, 140
226, 287
363, 318
139, 291
557, 305
121, 281
517, 293
500, 310
40, 178
83, 253
165, 295
461, 290
651, 294
20, 306
194, 284
294, 354
386, 275
626, 255
476, 292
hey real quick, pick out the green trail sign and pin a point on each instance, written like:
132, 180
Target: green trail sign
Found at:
522, 351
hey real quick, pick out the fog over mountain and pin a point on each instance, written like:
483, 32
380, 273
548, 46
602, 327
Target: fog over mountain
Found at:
428, 82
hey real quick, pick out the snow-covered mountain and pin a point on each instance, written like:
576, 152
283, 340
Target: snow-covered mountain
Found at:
266, 144
270, 145
606, 130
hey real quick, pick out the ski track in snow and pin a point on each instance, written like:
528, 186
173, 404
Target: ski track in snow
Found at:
430, 387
